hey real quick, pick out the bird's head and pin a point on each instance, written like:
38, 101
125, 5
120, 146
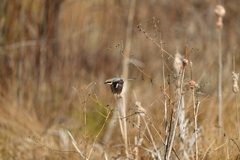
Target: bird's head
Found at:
109, 82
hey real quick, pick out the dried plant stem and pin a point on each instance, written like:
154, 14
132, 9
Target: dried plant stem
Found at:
123, 113
98, 135
169, 91
235, 90
176, 121
120, 104
120, 113
166, 123
75, 145
136, 150
111, 126
178, 108
195, 122
237, 116
182, 125
220, 78
85, 128
208, 149
165, 100
217, 148
235, 144
174, 130
155, 148
125, 67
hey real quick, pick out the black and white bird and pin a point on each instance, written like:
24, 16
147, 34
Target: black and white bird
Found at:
116, 84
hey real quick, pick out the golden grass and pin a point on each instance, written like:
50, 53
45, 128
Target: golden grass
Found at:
54, 59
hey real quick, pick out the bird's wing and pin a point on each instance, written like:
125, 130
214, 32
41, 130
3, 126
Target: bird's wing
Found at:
129, 79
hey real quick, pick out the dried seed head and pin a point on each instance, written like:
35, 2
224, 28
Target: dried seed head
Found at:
185, 62
197, 86
191, 64
220, 11
235, 82
235, 76
192, 84
177, 62
235, 88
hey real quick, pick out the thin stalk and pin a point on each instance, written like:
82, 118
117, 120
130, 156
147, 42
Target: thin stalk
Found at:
75, 145
165, 100
111, 126
125, 66
123, 110
166, 123
155, 148
237, 116
174, 130
85, 129
208, 149
169, 91
220, 78
119, 106
98, 134
195, 122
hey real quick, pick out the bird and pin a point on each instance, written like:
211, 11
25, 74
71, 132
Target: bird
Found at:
116, 84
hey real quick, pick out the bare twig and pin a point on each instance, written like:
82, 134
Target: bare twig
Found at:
98, 134
155, 148
75, 145
208, 149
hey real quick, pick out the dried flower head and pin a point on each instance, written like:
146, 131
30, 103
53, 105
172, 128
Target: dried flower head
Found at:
235, 82
192, 84
191, 64
177, 62
220, 11
185, 62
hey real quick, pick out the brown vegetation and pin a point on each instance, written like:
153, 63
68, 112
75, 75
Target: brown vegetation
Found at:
55, 56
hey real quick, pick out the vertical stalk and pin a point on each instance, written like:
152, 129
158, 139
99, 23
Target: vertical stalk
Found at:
235, 90
195, 122
125, 66
237, 116
166, 123
220, 78
165, 101
85, 128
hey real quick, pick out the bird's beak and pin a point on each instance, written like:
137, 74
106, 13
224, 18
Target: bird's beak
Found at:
105, 82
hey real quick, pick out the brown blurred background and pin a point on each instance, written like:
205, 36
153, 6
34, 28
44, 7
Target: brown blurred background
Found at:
50, 50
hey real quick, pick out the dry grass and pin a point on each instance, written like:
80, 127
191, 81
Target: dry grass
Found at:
55, 56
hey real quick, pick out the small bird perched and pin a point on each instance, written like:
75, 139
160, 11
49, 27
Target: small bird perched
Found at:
116, 84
